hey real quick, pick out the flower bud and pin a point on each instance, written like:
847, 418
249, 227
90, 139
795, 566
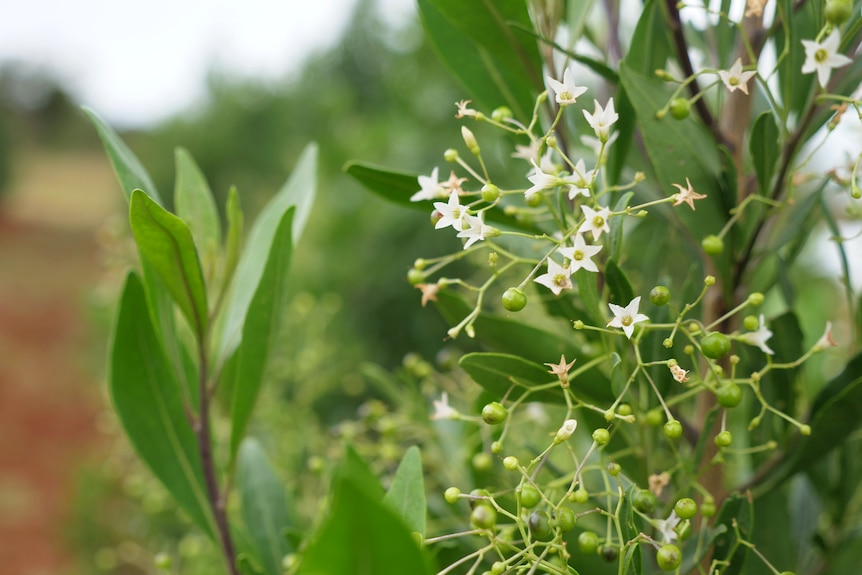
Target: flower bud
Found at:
566, 431
451, 155
470, 140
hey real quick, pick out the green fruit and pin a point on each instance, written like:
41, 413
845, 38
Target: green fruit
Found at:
483, 516
511, 463
514, 299
672, 429
669, 557
534, 200
494, 413
539, 524
475, 494
588, 542
624, 409
715, 345
565, 518
685, 508
644, 501
728, 395
601, 436
679, 108
713, 245
751, 323
452, 495
609, 553
580, 496
483, 461
723, 439
655, 417
501, 114
614, 469
529, 496
838, 11
659, 295
490, 193
498, 568
415, 276
707, 508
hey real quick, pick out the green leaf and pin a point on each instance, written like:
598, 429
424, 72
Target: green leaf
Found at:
356, 469
166, 243
406, 495
503, 374
632, 561
615, 236
478, 42
736, 507
260, 330
589, 293
195, 205
148, 401
764, 149
264, 508
129, 170
650, 44
298, 191
234, 234
621, 292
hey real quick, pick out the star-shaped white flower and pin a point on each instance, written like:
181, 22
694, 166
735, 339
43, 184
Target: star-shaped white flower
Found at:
476, 230
595, 221
758, 338
580, 180
627, 317
430, 187
556, 279
667, 526
541, 180
442, 409
464, 109
566, 91
686, 195
602, 119
451, 213
580, 255
821, 57
735, 79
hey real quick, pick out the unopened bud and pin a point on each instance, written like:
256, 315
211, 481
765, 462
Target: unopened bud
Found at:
565, 431
470, 140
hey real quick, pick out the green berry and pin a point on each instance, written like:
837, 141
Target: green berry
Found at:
511, 463
475, 496
838, 11
494, 413
655, 417
539, 524
707, 508
514, 299
501, 114
581, 495
415, 277
490, 193
601, 436
669, 557
498, 568
609, 553
534, 200
712, 244
755, 299
751, 323
614, 469
497, 447
624, 409
452, 495
728, 395
685, 508
723, 439
644, 501
483, 461
715, 345
672, 429
483, 516
610, 414
529, 496
659, 295
679, 108
588, 542
565, 518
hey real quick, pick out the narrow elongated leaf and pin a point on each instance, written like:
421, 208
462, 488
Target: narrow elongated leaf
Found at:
264, 507
621, 291
632, 562
129, 170
298, 191
736, 507
406, 495
764, 149
615, 236
148, 401
195, 205
261, 329
589, 294
166, 243
503, 374
233, 240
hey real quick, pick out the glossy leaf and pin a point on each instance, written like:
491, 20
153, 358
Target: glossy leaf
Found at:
261, 327
651, 45
764, 149
736, 507
129, 170
148, 401
615, 236
196, 206
406, 495
298, 191
233, 241
357, 470
621, 291
589, 294
632, 561
166, 243
510, 375
263, 507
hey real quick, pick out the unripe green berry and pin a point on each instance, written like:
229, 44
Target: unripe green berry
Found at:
580, 495
838, 11
511, 463
610, 414
497, 447
751, 323
672, 429
529, 496
805, 430
498, 568
614, 469
709, 281
451, 155
723, 439
565, 518
644, 501
685, 508
601, 436
477, 497
655, 417
539, 524
712, 244
452, 495
755, 299
715, 345
490, 192
668, 343
588, 542
624, 409
483, 516
728, 395
679, 108
483, 461
669, 557
415, 277
659, 295
501, 114
707, 508
514, 299
609, 553
494, 413
534, 200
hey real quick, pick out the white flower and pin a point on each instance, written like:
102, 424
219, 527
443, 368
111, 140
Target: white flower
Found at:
464, 109
566, 430
430, 188
477, 229
580, 180
601, 120
580, 255
442, 409
556, 279
566, 91
540, 180
758, 338
821, 57
667, 526
595, 221
627, 317
529, 153
735, 78
452, 213
825, 339
686, 195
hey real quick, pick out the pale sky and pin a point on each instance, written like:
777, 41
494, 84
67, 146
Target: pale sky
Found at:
139, 62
